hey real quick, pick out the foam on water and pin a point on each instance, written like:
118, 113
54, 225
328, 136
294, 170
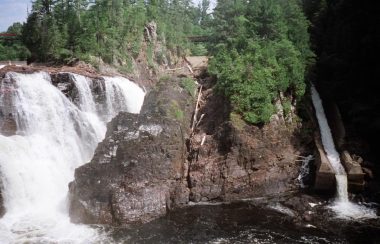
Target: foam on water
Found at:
53, 138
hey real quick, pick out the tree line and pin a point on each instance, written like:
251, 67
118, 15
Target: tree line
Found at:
259, 48
57, 30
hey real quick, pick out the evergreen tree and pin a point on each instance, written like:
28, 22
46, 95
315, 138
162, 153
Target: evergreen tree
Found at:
261, 48
109, 29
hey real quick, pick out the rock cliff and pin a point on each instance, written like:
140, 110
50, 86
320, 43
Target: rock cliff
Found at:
231, 160
138, 171
153, 162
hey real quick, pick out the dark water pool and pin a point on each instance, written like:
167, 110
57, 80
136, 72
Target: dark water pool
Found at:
245, 223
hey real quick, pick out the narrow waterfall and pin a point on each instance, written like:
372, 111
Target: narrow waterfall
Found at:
342, 206
328, 144
304, 171
54, 136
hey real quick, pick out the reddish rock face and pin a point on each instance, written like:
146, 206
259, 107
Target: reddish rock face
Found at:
237, 160
257, 162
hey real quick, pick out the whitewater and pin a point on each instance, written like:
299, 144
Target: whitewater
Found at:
54, 136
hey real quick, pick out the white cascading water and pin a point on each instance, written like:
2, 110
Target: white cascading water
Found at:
342, 206
53, 138
305, 170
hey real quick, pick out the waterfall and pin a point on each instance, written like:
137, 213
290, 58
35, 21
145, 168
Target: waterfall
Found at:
342, 206
329, 147
87, 103
53, 137
120, 92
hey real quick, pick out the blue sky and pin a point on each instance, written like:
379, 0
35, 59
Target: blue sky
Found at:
15, 11
12, 11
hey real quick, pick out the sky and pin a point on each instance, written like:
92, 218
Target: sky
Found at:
16, 10
12, 11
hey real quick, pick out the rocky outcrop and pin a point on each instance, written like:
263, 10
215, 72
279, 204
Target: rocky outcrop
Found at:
8, 126
64, 82
139, 170
238, 161
152, 162
2, 208
258, 163
355, 174
324, 176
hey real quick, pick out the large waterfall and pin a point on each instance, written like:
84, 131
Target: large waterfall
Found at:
342, 206
54, 136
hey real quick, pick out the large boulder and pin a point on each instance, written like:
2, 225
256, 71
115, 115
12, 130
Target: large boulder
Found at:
139, 170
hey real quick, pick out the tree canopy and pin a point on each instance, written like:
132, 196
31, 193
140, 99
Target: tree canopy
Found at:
109, 29
260, 48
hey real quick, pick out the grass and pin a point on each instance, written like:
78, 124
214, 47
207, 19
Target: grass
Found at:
237, 121
189, 85
175, 111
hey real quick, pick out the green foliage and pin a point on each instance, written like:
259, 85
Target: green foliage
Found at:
175, 111
149, 53
189, 85
179, 115
237, 121
287, 106
14, 49
260, 48
165, 78
110, 30
198, 50
136, 47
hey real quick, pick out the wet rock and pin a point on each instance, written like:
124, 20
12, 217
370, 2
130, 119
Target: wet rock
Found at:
368, 173
307, 217
138, 171
355, 174
325, 176
2, 208
8, 126
65, 84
